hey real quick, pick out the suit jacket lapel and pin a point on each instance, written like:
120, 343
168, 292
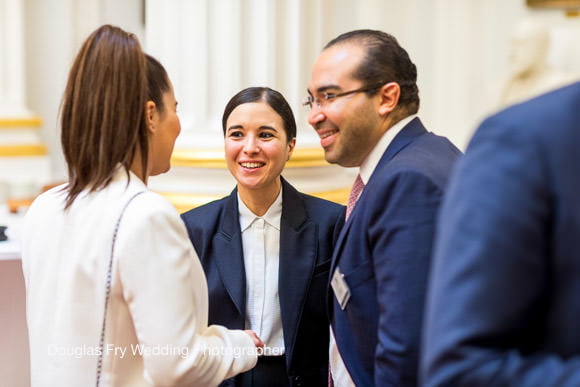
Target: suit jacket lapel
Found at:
297, 260
338, 247
229, 254
409, 133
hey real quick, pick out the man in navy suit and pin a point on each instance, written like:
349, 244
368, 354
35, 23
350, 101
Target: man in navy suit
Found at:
504, 300
364, 99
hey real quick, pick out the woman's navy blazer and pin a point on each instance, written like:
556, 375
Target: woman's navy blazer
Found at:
309, 227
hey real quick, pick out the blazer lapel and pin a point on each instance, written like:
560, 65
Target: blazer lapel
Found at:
229, 254
338, 247
409, 133
297, 259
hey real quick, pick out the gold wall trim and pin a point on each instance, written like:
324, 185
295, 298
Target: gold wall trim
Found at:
198, 158
23, 150
301, 158
339, 196
184, 202
21, 123
553, 3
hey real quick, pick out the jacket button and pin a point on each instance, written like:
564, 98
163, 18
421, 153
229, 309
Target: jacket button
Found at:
297, 381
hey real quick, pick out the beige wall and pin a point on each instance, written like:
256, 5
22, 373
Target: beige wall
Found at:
459, 46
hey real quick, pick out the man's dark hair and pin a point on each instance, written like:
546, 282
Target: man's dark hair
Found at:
385, 61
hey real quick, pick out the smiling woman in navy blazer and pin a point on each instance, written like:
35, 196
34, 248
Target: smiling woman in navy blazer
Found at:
266, 248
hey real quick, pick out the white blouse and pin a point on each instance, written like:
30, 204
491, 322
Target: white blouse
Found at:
261, 247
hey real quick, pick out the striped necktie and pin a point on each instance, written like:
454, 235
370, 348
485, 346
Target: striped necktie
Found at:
354, 195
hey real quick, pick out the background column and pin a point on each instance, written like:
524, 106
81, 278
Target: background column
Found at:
212, 50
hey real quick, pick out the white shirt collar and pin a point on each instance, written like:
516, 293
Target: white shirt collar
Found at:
272, 216
372, 160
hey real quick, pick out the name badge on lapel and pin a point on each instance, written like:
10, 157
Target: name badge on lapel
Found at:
340, 288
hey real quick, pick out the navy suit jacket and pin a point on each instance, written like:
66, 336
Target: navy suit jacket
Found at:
309, 227
384, 252
504, 302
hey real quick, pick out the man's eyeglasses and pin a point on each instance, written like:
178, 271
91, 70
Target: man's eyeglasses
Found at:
325, 98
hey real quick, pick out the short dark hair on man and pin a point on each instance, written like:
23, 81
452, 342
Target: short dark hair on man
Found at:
272, 97
385, 61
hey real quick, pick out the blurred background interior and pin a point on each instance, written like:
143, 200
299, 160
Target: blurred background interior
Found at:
473, 57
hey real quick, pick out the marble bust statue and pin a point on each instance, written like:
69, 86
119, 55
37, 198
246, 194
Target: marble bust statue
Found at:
530, 73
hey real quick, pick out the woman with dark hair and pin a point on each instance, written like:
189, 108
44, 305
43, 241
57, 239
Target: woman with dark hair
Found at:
266, 247
114, 291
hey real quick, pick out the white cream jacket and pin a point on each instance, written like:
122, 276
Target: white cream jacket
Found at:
156, 329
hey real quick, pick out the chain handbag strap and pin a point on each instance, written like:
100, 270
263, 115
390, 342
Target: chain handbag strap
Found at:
108, 290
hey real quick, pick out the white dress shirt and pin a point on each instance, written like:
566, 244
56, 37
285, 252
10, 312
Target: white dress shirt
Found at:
261, 247
340, 374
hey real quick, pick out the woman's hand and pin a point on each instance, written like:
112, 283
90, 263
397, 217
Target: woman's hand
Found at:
257, 341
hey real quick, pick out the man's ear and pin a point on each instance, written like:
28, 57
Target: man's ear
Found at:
151, 116
389, 94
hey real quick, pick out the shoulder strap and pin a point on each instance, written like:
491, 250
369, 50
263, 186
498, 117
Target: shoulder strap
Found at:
108, 290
